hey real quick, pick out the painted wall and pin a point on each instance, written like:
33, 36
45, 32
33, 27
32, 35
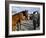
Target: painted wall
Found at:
2, 19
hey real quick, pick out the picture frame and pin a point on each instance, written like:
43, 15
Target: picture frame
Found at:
8, 11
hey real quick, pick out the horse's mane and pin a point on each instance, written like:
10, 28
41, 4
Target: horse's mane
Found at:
35, 12
21, 12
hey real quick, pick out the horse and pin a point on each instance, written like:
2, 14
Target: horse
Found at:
17, 18
36, 19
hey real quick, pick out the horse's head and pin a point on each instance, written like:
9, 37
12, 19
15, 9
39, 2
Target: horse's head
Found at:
25, 13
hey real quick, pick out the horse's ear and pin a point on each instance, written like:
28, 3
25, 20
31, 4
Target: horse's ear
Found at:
26, 10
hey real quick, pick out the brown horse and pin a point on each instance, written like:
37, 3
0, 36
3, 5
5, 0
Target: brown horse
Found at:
17, 18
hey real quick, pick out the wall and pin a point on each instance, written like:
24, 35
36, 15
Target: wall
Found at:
2, 19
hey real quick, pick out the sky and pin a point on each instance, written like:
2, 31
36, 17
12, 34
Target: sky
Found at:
30, 9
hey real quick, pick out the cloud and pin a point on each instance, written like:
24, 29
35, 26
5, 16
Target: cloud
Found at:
30, 9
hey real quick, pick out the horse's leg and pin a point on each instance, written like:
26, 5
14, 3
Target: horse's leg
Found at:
34, 24
18, 26
13, 25
20, 23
